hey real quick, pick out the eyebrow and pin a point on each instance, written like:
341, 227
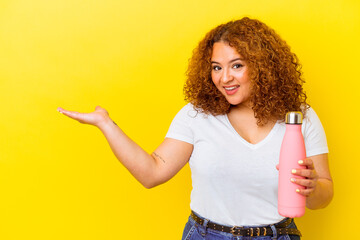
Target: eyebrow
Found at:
230, 61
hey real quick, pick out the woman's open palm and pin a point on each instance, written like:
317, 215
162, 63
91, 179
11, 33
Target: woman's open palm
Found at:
93, 118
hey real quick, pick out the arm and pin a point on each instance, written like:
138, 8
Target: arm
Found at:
318, 182
149, 170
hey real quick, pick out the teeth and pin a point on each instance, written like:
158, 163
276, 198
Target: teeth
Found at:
231, 88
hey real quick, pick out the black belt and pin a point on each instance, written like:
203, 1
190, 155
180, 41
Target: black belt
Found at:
250, 231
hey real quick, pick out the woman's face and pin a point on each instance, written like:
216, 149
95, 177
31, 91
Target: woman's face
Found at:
230, 74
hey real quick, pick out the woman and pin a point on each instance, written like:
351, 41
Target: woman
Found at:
241, 81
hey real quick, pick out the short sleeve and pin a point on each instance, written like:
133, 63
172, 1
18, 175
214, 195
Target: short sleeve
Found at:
180, 128
314, 134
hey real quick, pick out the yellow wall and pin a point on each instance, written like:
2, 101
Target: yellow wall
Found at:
59, 179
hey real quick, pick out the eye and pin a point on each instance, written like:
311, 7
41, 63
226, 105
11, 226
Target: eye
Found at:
216, 68
238, 65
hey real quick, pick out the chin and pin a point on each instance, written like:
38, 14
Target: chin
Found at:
234, 102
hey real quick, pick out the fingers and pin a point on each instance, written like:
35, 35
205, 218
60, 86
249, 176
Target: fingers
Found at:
306, 186
306, 173
309, 178
94, 118
74, 115
304, 182
305, 192
307, 162
59, 109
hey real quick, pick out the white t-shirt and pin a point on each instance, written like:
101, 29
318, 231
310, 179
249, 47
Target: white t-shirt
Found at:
236, 182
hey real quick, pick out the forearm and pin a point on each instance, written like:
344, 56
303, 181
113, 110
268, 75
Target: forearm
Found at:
140, 164
322, 195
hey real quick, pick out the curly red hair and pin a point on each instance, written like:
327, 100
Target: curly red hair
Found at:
275, 72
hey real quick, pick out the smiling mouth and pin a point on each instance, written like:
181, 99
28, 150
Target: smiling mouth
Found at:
231, 88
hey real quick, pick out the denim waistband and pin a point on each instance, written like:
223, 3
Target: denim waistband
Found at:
203, 229
245, 226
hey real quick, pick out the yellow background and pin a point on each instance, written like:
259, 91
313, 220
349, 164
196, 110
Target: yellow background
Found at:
59, 178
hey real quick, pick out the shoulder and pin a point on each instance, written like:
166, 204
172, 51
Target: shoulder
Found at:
310, 111
192, 116
189, 111
181, 127
311, 123
189, 107
310, 116
314, 134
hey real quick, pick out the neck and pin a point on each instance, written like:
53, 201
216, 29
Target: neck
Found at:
244, 107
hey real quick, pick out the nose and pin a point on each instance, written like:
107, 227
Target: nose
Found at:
226, 76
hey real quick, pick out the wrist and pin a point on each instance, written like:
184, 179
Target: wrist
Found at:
106, 123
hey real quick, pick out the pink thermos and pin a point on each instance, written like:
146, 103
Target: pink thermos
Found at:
290, 203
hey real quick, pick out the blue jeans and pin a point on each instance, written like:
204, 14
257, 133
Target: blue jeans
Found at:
194, 231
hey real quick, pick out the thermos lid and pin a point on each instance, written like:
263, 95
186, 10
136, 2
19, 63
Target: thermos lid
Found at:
293, 118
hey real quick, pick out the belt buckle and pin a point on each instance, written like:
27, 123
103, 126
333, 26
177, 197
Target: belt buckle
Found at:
251, 231
257, 232
234, 229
